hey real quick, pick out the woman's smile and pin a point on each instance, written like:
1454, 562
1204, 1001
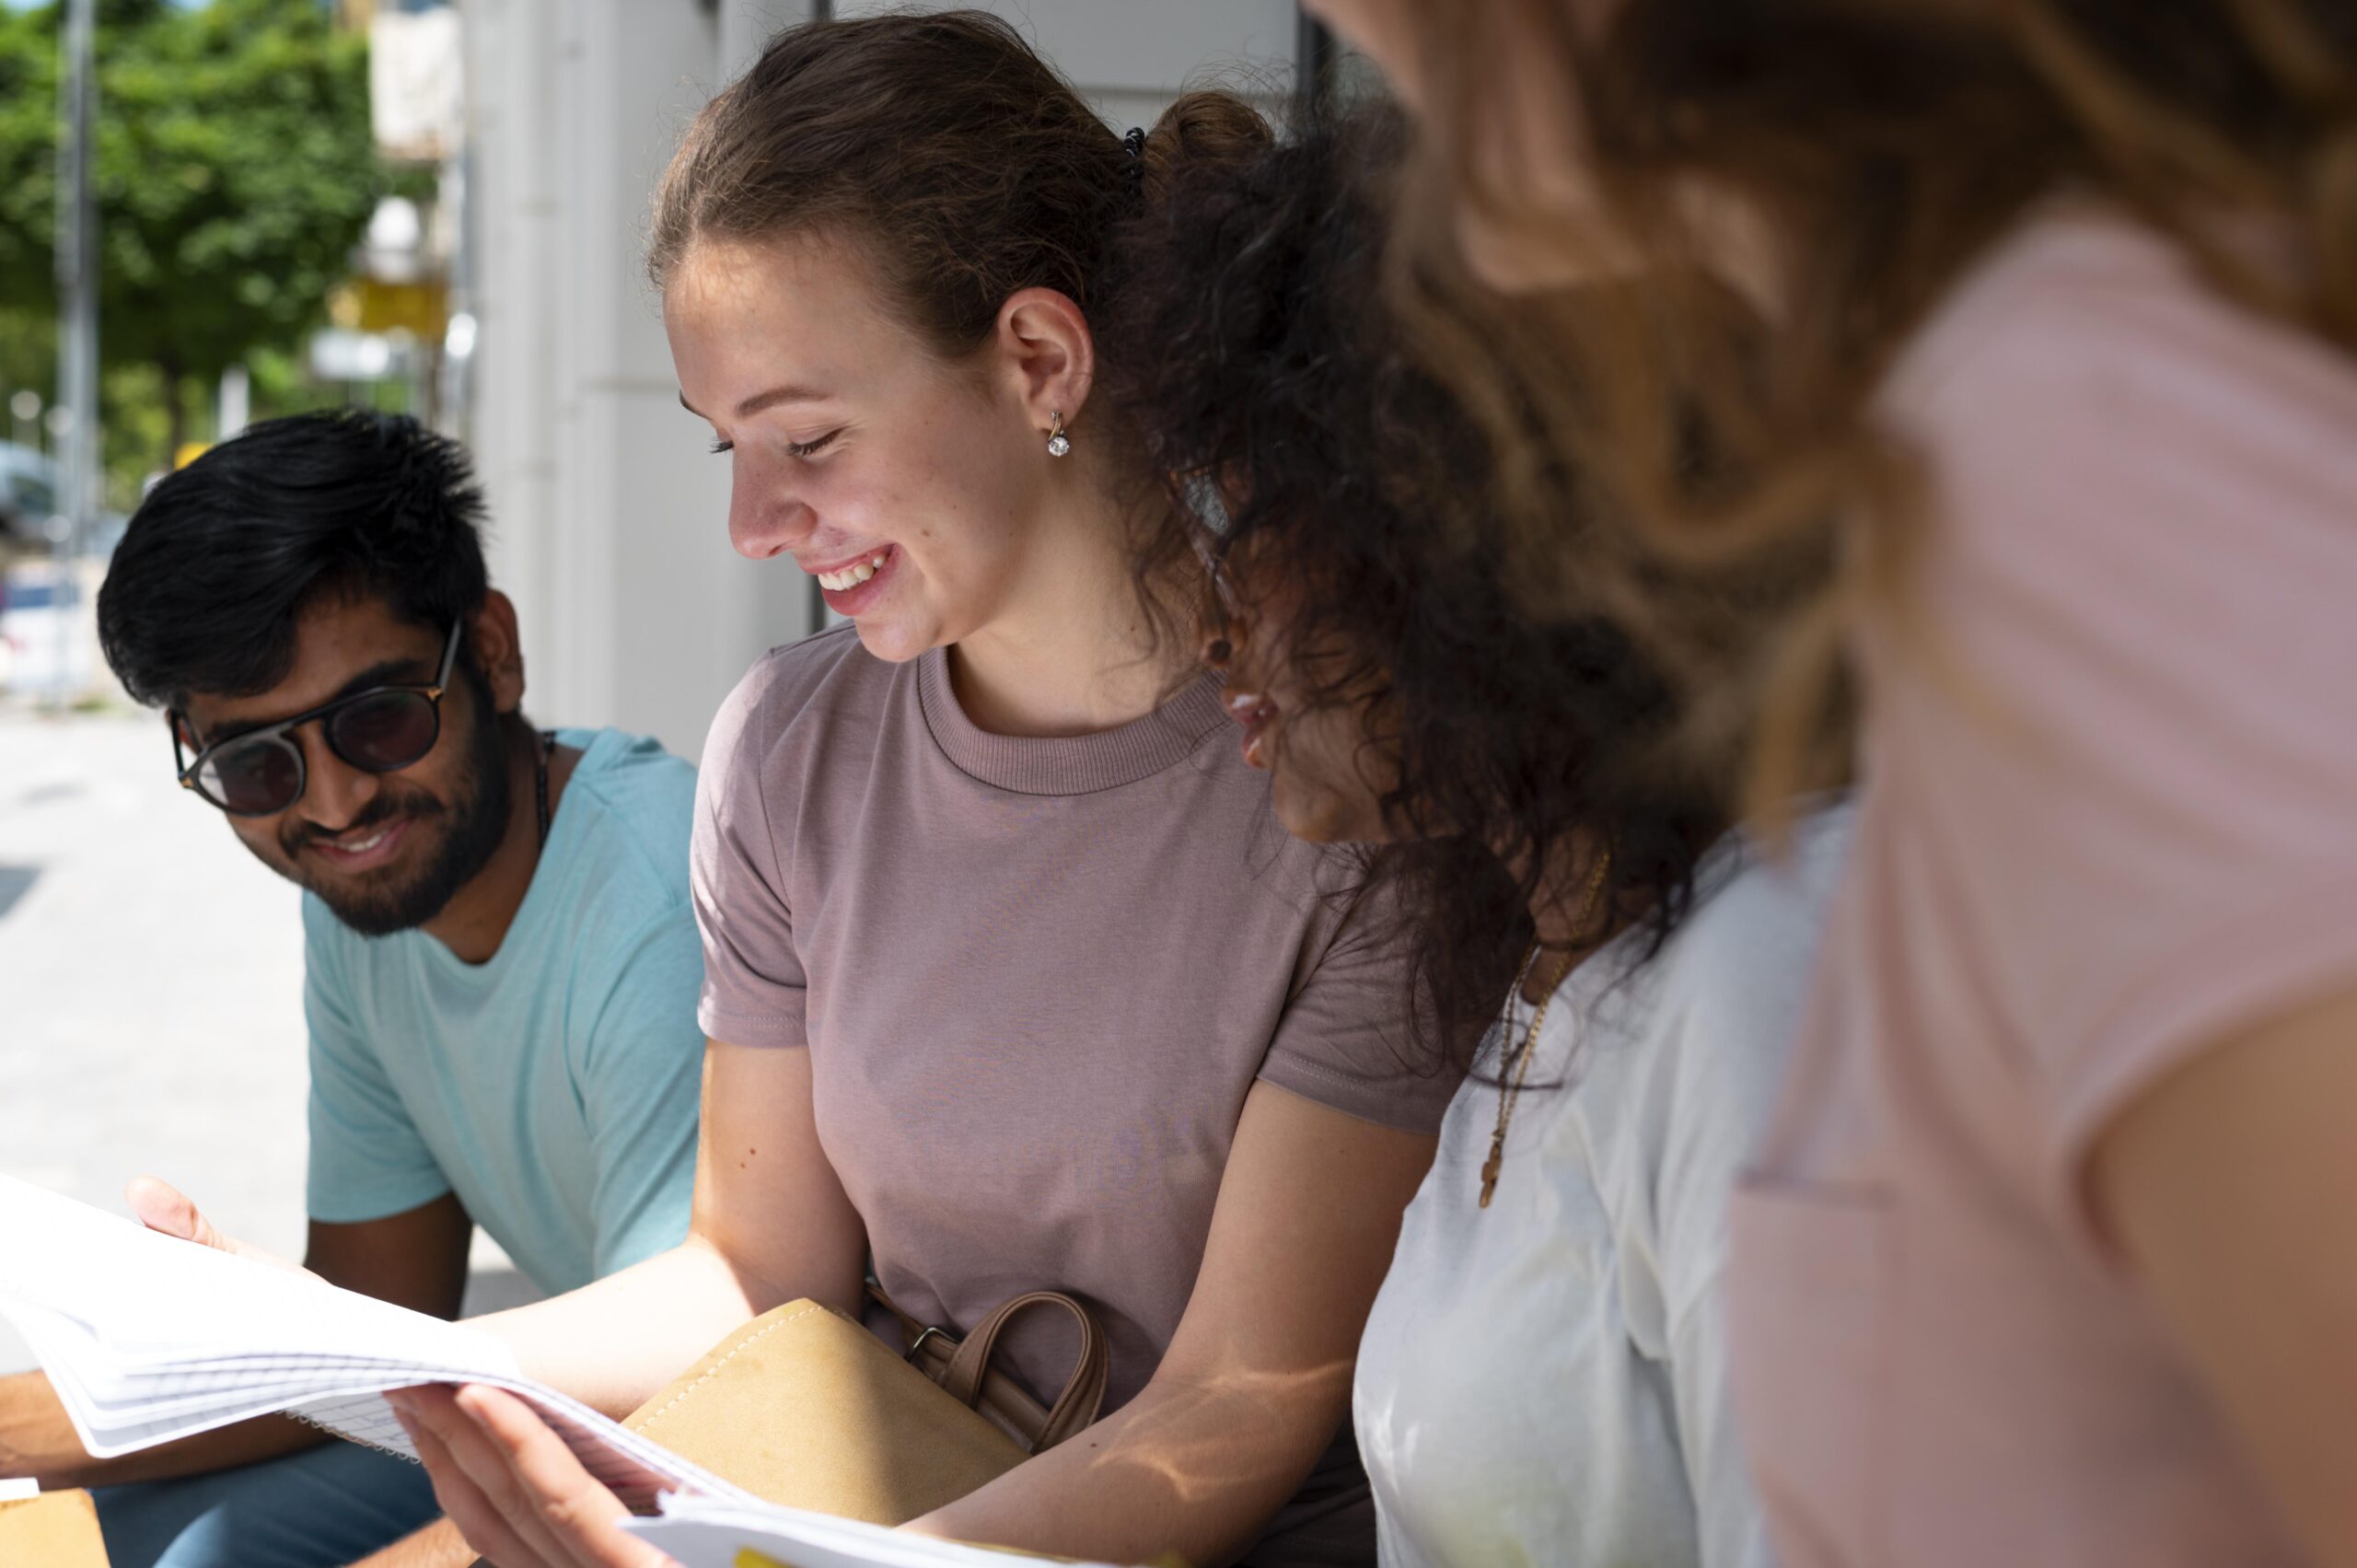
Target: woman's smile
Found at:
854, 583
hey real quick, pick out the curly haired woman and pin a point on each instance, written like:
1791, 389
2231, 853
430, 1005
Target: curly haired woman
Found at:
2044, 1260
1543, 1379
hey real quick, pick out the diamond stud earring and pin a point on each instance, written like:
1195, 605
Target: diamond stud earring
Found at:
1057, 442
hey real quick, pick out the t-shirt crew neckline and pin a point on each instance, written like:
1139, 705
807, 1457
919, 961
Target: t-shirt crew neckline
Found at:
595, 745
1067, 765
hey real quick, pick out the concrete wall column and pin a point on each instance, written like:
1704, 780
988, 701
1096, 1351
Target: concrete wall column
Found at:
608, 514
1129, 58
513, 206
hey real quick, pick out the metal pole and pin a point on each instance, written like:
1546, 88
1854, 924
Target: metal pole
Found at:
78, 321
453, 366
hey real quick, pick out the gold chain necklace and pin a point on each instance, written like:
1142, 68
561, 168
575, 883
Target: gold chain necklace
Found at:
1510, 1088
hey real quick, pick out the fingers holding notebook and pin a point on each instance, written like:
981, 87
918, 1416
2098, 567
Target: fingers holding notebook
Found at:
514, 1489
163, 1208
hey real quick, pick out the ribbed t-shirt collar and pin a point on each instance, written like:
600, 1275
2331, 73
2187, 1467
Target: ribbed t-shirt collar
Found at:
1073, 764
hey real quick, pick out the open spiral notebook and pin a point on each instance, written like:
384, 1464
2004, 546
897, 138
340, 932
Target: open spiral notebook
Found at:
148, 1339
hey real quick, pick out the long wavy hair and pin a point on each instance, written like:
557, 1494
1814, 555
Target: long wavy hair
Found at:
1882, 146
1315, 457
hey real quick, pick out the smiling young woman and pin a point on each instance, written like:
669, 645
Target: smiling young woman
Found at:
1013, 980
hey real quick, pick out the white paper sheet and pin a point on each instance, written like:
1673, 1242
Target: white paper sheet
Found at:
704, 1533
148, 1339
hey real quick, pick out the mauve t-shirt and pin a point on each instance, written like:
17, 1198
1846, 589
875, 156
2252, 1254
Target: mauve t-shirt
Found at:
1038, 978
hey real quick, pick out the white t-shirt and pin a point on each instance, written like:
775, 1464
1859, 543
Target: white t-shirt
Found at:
1545, 1380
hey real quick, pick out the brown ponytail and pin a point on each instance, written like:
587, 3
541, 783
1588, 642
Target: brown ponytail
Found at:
959, 161
1202, 128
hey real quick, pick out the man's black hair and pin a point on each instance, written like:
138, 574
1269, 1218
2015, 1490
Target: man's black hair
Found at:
221, 559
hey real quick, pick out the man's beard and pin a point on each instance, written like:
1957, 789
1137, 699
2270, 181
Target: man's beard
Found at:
477, 822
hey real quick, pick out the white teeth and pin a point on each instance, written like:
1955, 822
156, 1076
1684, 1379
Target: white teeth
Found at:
852, 575
364, 845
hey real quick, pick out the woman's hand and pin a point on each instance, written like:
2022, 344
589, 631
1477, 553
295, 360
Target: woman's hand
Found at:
510, 1485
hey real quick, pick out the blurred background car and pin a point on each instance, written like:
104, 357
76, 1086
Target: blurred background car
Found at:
29, 483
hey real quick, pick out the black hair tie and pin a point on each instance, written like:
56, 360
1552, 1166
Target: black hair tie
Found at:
1134, 144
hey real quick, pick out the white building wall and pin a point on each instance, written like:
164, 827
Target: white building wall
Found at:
1130, 57
608, 514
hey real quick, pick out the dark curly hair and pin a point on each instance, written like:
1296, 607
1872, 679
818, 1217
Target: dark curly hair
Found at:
1350, 475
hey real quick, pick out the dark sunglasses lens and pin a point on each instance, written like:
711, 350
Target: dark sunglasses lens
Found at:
384, 730
252, 778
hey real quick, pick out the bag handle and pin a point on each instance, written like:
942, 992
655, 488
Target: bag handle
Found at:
967, 1374
1084, 1394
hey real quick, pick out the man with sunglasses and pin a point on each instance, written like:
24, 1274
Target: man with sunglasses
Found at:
502, 965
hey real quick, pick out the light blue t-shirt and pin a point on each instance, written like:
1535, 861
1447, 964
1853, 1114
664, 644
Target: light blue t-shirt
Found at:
553, 1088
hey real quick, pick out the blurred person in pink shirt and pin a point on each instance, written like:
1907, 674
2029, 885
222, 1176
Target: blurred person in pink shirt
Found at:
2037, 1263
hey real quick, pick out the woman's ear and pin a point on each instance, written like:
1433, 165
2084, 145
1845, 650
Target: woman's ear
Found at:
498, 651
1046, 348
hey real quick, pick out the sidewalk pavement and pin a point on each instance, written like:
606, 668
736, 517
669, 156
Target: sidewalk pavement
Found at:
151, 988
151, 984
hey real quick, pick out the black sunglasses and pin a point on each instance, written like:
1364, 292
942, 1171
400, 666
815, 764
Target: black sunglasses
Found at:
260, 772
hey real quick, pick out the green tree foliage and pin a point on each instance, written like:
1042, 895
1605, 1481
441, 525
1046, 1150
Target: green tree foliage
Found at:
235, 173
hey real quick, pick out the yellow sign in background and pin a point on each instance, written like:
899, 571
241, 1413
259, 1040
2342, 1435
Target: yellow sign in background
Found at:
364, 305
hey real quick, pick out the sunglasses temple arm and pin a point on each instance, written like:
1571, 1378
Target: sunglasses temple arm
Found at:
449, 659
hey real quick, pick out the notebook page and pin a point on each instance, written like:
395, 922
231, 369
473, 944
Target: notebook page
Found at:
635, 1468
149, 1296
148, 1339
703, 1533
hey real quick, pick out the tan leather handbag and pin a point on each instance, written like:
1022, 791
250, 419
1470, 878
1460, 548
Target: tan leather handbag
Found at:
804, 1406
57, 1529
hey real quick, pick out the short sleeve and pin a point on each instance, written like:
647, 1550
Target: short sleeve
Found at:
1345, 1039
753, 983
2129, 747
367, 1160
640, 1074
